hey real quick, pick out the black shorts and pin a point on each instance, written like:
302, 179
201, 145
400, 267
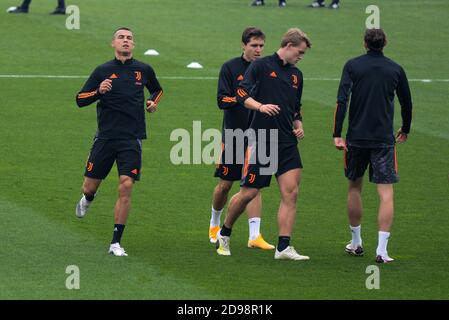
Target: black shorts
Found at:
383, 166
103, 154
258, 175
229, 170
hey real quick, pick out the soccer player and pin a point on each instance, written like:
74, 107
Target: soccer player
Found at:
257, 3
370, 81
321, 4
118, 85
236, 117
272, 87
23, 8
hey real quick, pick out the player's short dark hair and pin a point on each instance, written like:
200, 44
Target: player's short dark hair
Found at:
252, 32
375, 39
121, 28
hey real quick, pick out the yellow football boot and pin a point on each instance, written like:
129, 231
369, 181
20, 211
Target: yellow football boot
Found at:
260, 243
213, 234
223, 248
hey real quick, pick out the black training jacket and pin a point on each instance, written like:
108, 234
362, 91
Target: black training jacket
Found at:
371, 81
121, 111
269, 81
235, 116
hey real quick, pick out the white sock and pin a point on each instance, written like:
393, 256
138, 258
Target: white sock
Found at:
254, 228
356, 239
382, 244
215, 217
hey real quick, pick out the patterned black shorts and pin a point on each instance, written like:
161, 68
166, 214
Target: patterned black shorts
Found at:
382, 162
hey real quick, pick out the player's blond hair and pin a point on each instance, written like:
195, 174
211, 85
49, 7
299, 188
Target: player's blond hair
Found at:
295, 36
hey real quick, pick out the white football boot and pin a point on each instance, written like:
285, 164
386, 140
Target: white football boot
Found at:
384, 258
354, 250
289, 253
117, 251
82, 206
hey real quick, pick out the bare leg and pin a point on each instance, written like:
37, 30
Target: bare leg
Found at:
289, 188
386, 207
238, 204
123, 204
385, 220
355, 202
219, 199
90, 186
221, 192
254, 207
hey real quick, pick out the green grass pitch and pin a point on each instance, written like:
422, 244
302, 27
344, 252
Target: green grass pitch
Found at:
45, 140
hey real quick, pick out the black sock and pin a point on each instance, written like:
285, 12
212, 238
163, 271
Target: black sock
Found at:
61, 4
225, 232
283, 243
89, 197
117, 235
25, 4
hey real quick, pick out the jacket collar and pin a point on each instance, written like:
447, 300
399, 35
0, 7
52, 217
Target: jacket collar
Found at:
245, 61
280, 61
127, 61
375, 53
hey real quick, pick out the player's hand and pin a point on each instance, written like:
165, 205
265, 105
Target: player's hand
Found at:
151, 106
105, 86
401, 136
298, 130
270, 109
340, 144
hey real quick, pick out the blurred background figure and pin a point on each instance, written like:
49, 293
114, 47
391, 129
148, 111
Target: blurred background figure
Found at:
256, 3
321, 4
23, 8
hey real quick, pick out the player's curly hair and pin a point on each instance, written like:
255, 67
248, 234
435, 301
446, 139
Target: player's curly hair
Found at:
375, 39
